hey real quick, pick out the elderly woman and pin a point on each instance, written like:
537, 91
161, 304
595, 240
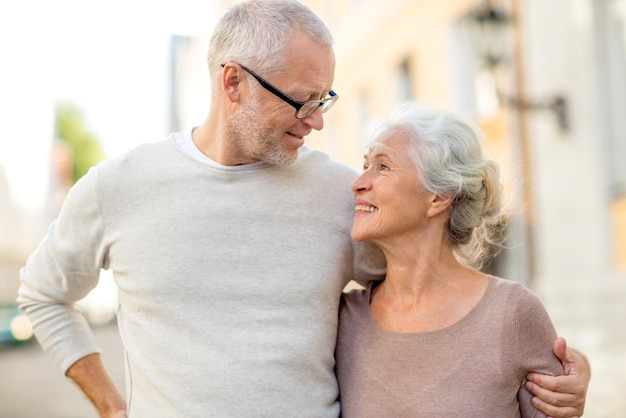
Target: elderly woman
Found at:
436, 337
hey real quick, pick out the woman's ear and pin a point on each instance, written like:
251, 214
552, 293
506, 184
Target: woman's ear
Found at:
438, 204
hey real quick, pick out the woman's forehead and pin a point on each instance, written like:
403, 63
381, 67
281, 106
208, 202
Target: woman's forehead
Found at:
393, 142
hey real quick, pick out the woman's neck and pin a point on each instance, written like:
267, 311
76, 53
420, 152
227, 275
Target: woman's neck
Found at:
426, 293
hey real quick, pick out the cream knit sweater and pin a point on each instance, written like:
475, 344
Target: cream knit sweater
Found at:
229, 280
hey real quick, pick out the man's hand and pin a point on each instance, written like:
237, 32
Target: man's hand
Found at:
562, 396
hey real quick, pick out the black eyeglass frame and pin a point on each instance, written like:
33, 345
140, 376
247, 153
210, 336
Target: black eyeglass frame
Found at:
325, 103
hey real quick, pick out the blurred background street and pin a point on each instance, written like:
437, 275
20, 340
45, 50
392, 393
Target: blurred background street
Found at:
83, 81
32, 386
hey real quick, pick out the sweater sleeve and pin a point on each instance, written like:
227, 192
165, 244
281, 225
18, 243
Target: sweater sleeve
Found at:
369, 263
534, 339
63, 269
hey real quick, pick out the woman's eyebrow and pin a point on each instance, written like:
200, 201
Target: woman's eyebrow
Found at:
379, 154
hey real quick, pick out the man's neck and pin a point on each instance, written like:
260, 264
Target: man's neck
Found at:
211, 139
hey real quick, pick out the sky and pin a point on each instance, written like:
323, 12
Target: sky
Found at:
107, 58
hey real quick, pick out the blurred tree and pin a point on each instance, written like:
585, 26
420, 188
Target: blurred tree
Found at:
70, 129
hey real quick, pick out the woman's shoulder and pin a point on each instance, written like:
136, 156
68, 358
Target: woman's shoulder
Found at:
516, 295
512, 287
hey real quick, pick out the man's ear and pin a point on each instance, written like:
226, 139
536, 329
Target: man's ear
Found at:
439, 204
230, 80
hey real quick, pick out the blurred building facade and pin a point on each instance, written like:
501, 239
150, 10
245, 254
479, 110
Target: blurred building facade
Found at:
566, 182
12, 255
20, 230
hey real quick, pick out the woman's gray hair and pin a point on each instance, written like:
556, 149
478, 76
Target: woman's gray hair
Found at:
446, 149
254, 33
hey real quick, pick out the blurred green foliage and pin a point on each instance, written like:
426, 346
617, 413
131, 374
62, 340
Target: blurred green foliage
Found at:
70, 129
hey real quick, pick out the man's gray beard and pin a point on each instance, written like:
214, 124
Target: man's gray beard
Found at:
255, 140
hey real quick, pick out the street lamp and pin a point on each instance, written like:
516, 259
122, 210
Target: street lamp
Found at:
489, 32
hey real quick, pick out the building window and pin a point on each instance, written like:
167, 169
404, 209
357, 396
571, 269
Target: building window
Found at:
404, 83
611, 47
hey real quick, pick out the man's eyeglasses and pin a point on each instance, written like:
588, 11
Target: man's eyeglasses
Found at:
303, 109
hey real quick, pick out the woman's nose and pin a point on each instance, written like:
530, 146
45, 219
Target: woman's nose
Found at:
361, 183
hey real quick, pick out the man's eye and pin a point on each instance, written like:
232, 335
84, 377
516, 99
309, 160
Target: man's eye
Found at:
365, 167
384, 167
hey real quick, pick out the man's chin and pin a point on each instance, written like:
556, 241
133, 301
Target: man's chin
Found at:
284, 160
